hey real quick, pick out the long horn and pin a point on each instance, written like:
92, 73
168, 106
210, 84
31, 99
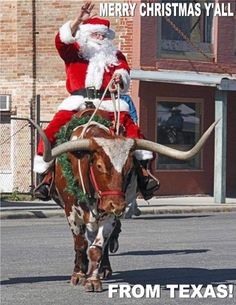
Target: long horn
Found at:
174, 153
50, 154
47, 153
82, 144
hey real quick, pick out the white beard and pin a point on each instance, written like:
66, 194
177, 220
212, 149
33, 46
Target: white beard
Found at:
100, 54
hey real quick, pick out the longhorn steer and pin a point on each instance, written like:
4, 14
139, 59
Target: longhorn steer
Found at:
104, 161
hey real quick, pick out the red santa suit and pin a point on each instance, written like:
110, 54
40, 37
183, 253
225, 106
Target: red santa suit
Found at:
85, 68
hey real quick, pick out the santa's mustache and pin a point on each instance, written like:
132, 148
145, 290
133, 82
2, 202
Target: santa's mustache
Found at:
90, 47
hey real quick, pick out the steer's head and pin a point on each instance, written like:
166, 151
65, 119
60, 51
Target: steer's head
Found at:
111, 162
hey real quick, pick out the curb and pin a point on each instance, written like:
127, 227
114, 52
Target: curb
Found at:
31, 214
27, 214
182, 210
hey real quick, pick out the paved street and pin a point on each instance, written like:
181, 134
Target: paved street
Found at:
37, 259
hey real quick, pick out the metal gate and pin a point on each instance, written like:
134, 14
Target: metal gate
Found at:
16, 152
18, 145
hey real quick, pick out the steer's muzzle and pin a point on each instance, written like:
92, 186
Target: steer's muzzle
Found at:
113, 205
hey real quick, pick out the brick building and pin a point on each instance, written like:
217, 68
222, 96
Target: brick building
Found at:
31, 66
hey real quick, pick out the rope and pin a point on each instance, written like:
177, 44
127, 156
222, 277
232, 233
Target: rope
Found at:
96, 109
85, 127
118, 116
81, 176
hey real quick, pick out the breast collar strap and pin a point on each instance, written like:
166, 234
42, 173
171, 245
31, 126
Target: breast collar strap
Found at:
103, 193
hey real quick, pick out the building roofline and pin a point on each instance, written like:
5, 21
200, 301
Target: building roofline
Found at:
221, 81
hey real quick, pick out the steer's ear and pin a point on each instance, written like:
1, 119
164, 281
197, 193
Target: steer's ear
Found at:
93, 145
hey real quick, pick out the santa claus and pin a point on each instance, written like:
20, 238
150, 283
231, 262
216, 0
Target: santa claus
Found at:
91, 62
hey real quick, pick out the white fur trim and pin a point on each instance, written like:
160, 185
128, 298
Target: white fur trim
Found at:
143, 154
65, 33
92, 28
76, 102
71, 103
108, 105
40, 166
125, 78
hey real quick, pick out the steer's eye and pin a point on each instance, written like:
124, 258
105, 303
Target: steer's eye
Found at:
101, 167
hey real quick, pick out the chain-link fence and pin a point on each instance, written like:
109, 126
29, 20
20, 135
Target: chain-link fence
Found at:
16, 158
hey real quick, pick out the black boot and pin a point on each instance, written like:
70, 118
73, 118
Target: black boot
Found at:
42, 190
148, 184
113, 242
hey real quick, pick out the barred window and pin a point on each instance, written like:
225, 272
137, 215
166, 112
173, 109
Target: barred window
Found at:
197, 29
179, 127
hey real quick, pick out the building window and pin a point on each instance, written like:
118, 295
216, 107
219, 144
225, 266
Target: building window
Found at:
197, 29
179, 127
235, 38
5, 108
5, 102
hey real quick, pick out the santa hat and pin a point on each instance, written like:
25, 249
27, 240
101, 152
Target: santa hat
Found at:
96, 24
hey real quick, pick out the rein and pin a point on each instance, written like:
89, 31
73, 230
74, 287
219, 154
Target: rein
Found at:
100, 193
103, 193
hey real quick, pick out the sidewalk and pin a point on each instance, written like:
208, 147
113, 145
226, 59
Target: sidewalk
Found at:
162, 205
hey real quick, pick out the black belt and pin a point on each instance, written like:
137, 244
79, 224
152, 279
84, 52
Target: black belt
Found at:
91, 93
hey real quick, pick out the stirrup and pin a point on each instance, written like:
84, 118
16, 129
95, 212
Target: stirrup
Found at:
42, 192
113, 244
149, 186
43, 189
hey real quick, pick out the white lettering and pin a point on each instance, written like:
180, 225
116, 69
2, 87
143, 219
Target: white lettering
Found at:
103, 12
117, 9
191, 11
168, 9
208, 7
196, 291
149, 9
222, 291
217, 10
172, 290
209, 292
125, 291
112, 288
175, 7
153, 291
158, 9
132, 7
198, 10
138, 291
183, 10
184, 291
111, 9
142, 9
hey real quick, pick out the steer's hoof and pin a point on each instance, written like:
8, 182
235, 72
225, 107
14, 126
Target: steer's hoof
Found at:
93, 286
77, 278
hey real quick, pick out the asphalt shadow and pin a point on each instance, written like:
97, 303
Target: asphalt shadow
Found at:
36, 279
160, 276
161, 252
171, 216
165, 276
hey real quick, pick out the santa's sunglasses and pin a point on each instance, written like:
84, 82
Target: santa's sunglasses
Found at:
98, 35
